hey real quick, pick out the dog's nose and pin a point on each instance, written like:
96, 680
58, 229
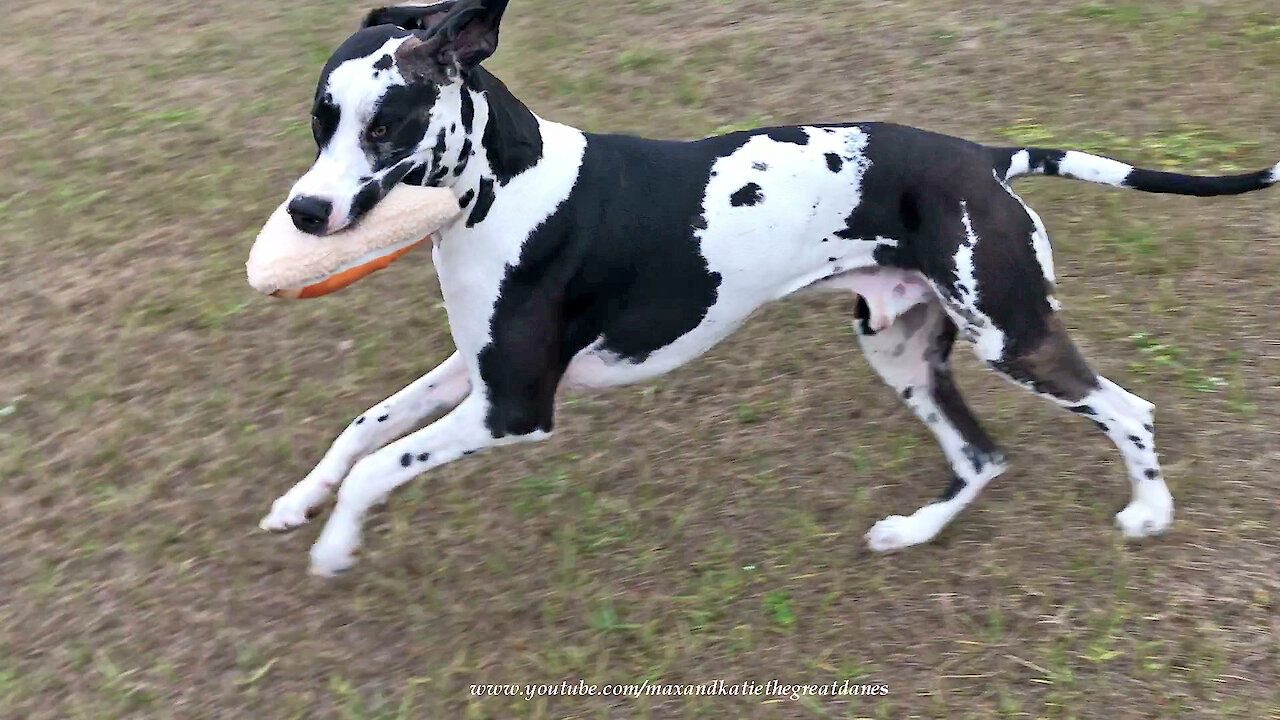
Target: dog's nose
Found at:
310, 214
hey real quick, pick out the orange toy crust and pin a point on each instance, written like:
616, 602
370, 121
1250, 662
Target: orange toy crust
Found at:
340, 280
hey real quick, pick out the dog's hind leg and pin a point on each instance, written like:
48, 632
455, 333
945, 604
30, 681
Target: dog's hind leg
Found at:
439, 390
998, 293
1056, 370
913, 356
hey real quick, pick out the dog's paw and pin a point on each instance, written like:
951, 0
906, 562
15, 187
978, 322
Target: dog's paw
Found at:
895, 533
1144, 519
286, 514
334, 553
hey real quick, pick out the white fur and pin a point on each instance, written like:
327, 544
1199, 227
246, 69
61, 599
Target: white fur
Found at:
1019, 164
1275, 175
1091, 168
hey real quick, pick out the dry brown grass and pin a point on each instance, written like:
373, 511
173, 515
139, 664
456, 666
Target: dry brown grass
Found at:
707, 526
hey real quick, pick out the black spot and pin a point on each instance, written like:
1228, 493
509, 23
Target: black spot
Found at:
953, 488
1151, 474
847, 234
748, 194
424, 457
453, 128
795, 135
908, 392
1137, 441
909, 209
1102, 426
976, 457
468, 111
1084, 410
464, 156
931, 419
760, 166
1149, 428
700, 222
484, 201
831, 259
826, 239
406, 460
360, 420
962, 289
438, 169
383, 418
384, 62
416, 176
469, 452
834, 162
862, 313
466, 199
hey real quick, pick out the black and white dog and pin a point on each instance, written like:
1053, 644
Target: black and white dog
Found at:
596, 260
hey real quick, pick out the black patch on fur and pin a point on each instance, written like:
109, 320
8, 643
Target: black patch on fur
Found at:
748, 194
834, 162
757, 165
954, 487
1046, 161
512, 140
1149, 428
464, 157
384, 62
383, 418
1084, 410
909, 209
424, 457
1137, 442
618, 260
325, 120
976, 458
406, 460
468, 110
484, 201
908, 392
1151, 474
416, 176
794, 134
466, 199
360, 420
862, 313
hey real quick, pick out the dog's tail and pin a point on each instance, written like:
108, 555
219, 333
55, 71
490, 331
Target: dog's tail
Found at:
1010, 163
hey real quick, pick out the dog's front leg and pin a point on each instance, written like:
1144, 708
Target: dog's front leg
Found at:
439, 390
461, 432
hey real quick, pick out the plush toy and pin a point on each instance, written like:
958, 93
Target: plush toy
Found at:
288, 263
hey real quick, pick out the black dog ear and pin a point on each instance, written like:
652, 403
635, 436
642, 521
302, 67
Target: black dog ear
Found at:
461, 41
410, 17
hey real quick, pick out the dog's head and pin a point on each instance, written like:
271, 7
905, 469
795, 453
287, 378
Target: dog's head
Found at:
389, 103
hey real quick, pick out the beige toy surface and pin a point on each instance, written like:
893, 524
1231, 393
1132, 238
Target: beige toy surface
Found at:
288, 263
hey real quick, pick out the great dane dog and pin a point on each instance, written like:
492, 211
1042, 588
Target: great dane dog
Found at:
595, 260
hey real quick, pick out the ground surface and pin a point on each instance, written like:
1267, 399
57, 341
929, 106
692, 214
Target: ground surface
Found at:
705, 527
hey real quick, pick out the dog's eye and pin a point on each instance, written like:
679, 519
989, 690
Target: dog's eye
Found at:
378, 131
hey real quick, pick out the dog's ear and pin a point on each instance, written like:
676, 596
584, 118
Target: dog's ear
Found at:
460, 42
410, 17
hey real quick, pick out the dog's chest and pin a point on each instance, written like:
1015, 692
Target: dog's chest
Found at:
473, 263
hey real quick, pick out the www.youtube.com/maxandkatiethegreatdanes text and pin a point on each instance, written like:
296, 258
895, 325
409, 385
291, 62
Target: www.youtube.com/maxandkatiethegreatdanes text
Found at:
714, 688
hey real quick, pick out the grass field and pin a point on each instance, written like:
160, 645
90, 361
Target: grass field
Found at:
707, 526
